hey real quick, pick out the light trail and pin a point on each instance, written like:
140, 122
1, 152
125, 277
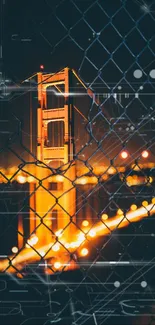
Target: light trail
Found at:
29, 255
123, 221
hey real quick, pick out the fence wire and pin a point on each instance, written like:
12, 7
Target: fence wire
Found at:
111, 44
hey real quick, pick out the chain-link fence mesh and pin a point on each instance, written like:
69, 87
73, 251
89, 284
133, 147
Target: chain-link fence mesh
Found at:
109, 181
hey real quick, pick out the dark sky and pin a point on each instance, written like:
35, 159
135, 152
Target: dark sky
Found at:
104, 40
80, 33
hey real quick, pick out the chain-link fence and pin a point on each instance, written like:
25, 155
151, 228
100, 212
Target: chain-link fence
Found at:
103, 194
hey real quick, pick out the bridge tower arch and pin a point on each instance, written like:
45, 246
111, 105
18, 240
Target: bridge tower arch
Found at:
62, 197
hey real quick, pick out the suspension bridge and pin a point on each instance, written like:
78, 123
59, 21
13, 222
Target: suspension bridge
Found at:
53, 230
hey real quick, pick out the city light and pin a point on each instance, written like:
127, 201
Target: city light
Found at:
31, 179
67, 245
42, 253
81, 238
85, 223
59, 233
101, 229
56, 247
57, 265
119, 212
145, 154
145, 203
121, 222
83, 181
84, 252
124, 154
92, 233
133, 207
104, 216
21, 179
32, 241
150, 179
14, 250
59, 178
112, 171
103, 171
153, 200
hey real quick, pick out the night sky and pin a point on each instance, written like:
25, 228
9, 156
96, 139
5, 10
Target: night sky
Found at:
61, 33
111, 45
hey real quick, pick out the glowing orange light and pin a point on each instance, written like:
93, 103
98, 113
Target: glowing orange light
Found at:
57, 265
92, 233
30, 179
121, 169
93, 180
153, 200
105, 177
136, 167
83, 181
104, 216
100, 229
73, 245
66, 245
59, 233
19, 275
133, 207
59, 178
14, 250
129, 179
145, 154
56, 247
111, 170
120, 221
85, 223
42, 253
81, 237
84, 252
150, 179
124, 154
21, 179
145, 203
32, 241
119, 212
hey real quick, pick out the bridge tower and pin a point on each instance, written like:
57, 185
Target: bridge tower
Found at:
54, 199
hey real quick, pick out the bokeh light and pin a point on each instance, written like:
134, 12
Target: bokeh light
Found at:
57, 265
85, 223
145, 154
14, 250
84, 252
124, 154
133, 207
